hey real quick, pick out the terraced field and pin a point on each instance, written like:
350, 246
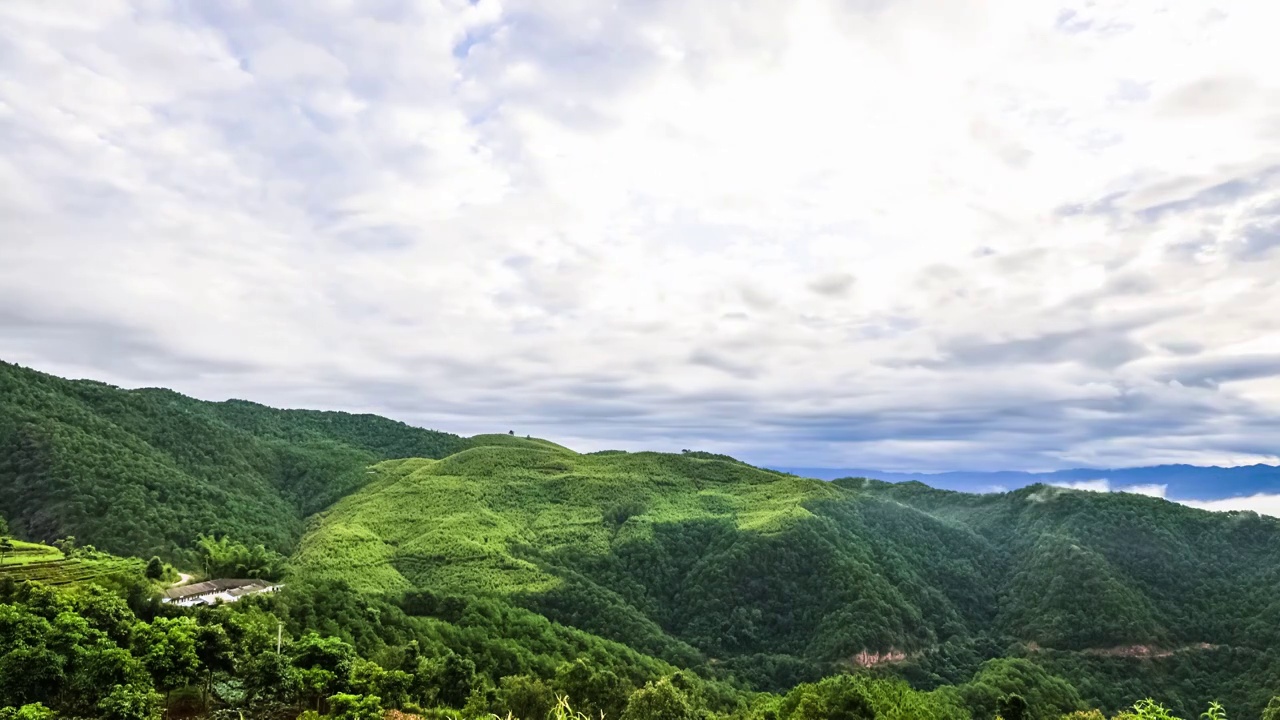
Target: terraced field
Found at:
24, 553
41, 563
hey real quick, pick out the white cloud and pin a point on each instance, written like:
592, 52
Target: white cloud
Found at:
1261, 503
1104, 485
1152, 490
1101, 485
891, 234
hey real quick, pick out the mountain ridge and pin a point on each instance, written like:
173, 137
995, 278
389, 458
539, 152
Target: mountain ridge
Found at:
1181, 481
744, 575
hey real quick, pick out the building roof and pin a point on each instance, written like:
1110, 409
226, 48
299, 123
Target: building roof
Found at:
211, 586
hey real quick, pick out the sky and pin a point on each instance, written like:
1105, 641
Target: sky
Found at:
903, 234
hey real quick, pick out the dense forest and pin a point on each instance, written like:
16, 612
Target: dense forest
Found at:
433, 575
145, 472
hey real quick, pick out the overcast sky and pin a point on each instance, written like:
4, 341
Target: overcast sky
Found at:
901, 234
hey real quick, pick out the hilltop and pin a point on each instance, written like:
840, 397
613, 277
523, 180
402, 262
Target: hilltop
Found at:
777, 579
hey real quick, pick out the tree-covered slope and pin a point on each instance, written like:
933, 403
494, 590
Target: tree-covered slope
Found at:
486, 547
778, 579
1091, 569
143, 472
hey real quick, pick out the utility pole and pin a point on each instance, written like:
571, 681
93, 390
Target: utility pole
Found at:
279, 630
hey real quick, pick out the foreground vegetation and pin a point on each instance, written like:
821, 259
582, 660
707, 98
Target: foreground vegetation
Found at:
110, 651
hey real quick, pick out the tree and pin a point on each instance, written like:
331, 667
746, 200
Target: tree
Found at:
223, 557
269, 676
6, 547
355, 707
658, 701
842, 697
168, 651
1272, 712
323, 665
618, 514
525, 697
1013, 707
214, 650
67, 545
33, 711
155, 568
126, 702
4, 526
592, 691
453, 677
29, 674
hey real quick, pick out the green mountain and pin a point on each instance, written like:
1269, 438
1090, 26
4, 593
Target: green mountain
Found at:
490, 574
774, 579
145, 472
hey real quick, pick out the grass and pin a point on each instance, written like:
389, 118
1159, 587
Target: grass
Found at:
458, 522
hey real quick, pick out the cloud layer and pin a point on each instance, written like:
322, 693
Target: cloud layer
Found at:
900, 234
1261, 503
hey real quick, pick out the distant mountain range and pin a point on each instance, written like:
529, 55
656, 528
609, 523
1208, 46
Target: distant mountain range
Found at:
1175, 482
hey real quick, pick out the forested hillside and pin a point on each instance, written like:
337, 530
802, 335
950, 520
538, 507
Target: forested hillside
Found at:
470, 577
145, 472
719, 566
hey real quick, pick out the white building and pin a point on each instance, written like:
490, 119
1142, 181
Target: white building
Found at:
212, 592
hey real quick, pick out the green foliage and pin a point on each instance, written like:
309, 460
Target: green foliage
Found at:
145, 472
1013, 707
835, 698
34, 711
524, 697
130, 703
1215, 712
155, 568
1147, 709
1039, 695
658, 701
1272, 711
355, 707
222, 557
